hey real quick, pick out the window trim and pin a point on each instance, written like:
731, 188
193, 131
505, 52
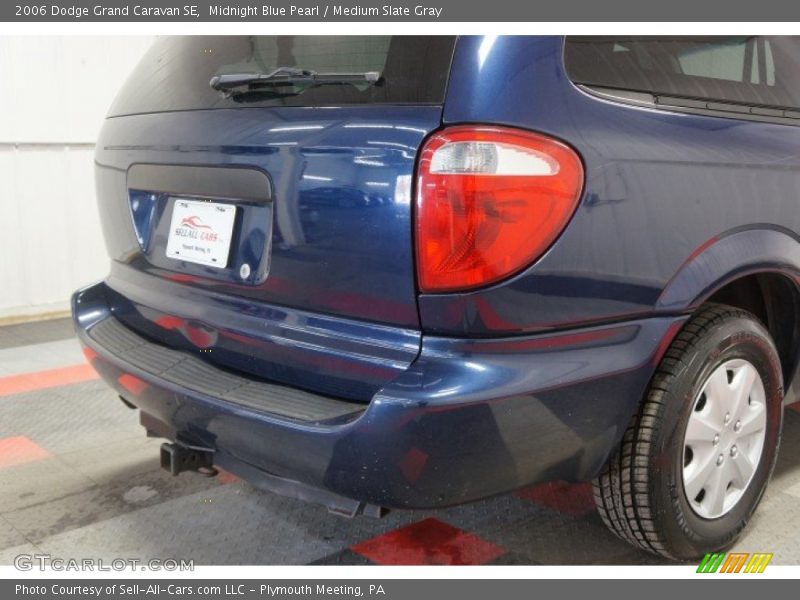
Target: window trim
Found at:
709, 107
695, 106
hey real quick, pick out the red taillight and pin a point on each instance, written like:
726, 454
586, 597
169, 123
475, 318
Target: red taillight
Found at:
490, 201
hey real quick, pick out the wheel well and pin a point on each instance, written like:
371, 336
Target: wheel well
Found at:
775, 300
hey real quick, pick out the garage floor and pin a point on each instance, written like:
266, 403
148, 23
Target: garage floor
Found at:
78, 479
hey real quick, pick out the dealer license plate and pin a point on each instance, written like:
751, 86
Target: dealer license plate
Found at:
200, 232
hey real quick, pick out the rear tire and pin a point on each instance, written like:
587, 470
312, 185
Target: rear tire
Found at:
643, 494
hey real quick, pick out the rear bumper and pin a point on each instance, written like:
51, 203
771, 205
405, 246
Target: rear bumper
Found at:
466, 420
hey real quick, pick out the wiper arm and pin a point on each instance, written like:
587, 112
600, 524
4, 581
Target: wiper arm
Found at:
230, 82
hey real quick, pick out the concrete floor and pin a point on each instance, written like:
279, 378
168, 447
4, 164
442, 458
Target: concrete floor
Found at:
78, 478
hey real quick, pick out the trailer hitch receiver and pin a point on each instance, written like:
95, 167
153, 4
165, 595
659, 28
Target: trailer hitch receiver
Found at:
177, 458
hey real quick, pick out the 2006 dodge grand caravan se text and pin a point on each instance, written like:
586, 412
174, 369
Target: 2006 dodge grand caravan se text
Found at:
410, 272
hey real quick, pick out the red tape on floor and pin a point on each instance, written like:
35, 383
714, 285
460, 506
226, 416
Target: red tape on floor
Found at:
428, 542
40, 380
19, 450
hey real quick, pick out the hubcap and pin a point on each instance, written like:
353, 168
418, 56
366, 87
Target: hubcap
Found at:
724, 438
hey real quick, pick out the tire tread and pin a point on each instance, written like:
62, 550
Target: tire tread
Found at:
621, 492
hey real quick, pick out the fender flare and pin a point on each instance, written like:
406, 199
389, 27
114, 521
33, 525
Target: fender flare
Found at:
725, 258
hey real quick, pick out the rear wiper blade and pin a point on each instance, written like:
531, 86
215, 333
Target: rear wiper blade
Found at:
230, 82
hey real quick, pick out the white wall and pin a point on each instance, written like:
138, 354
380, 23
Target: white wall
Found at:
54, 93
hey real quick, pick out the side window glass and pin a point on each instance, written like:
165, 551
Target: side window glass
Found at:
770, 63
716, 61
751, 70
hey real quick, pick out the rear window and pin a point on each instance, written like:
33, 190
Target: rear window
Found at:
175, 73
754, 70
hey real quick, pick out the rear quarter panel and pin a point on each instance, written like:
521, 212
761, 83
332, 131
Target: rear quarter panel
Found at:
661, 189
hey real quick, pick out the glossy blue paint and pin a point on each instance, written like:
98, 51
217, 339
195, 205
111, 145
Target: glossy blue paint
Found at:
659, 186
341, 241
755, 249
335, 241
340, 357
468, 419
465, 395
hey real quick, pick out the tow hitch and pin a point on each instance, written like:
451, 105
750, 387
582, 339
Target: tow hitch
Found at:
177, 458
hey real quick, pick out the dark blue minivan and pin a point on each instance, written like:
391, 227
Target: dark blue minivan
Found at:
409, 272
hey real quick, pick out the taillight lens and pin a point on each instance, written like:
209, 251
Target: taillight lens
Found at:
490, 201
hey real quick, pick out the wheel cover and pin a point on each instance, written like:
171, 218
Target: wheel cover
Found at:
724, 438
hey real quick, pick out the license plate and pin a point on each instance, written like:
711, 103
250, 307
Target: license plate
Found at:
200, 232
